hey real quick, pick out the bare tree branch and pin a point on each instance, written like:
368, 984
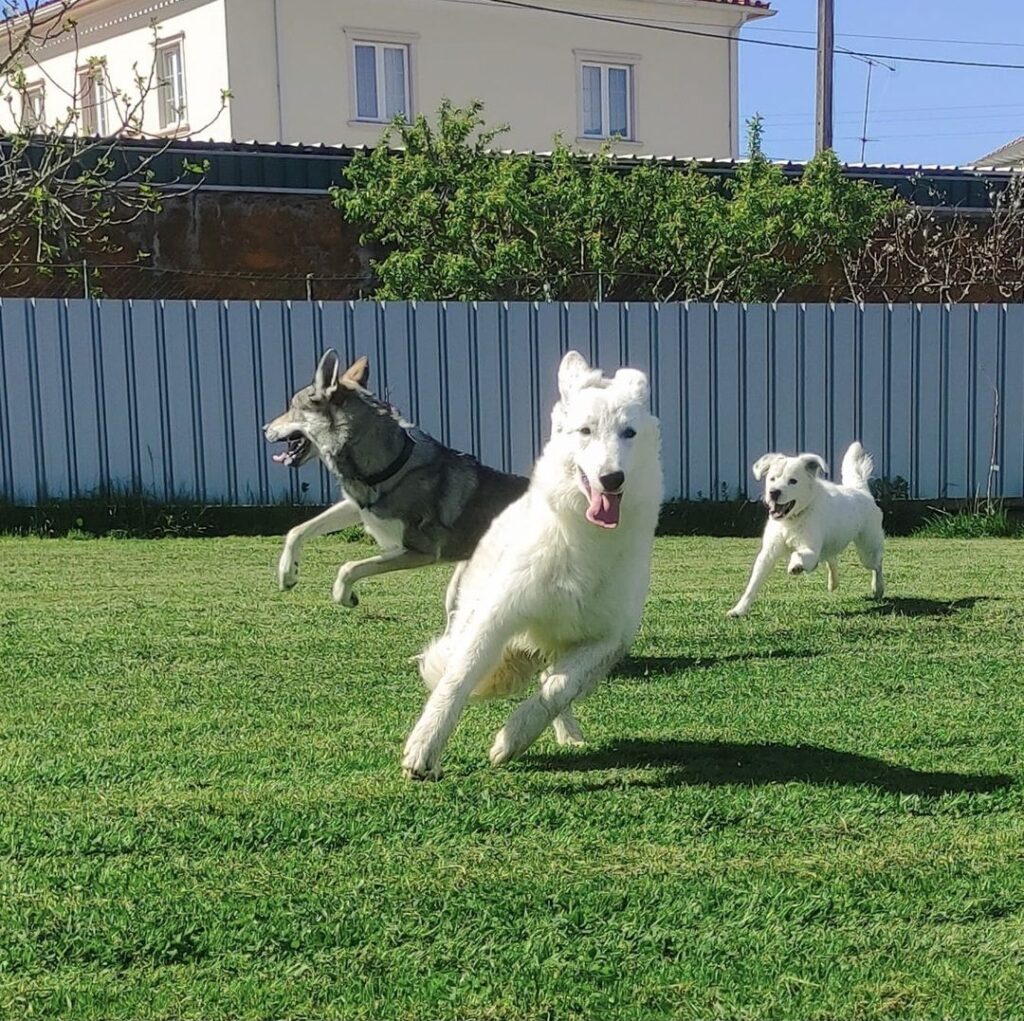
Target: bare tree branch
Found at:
62, 190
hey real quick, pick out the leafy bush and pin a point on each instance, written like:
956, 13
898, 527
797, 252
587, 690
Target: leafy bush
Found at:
459, 221
982, 521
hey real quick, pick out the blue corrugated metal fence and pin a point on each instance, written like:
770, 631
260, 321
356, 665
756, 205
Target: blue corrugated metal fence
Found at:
169, 397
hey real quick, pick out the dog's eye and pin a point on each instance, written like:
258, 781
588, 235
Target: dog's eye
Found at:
628, 433
792, 482
585, 431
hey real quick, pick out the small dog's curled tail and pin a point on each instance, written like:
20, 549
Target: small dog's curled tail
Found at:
857, 467
517, 669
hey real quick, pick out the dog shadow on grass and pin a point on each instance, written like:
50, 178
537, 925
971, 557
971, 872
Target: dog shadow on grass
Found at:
641, 667
910, 606
672, 763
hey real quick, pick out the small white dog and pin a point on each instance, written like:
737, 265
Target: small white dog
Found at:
815, 520
557, 584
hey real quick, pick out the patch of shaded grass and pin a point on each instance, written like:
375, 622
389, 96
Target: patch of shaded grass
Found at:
815, 812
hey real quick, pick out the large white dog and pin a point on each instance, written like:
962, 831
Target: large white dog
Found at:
815, 520
557, 584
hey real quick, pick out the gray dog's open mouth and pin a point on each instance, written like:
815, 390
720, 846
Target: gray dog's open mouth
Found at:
779, 510
297, 452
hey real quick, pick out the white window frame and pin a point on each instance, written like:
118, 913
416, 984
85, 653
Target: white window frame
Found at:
605, 62
33, 114
381, 40
94, 98
179, 122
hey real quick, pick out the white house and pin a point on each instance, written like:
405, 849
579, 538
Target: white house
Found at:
650, 75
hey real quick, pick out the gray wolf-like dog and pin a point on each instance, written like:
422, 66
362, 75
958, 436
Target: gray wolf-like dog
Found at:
814, 520
558, 582
422, 501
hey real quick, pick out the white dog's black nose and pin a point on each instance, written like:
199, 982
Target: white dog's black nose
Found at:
613, 481
774, 494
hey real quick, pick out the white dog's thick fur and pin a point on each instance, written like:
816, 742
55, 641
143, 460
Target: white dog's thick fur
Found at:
557, 584
815, 520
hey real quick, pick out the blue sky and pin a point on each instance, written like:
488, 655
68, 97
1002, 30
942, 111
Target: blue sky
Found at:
919, 113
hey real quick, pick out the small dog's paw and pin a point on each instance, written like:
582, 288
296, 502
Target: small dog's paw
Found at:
738, 611
796, 569
344, 596
287, 574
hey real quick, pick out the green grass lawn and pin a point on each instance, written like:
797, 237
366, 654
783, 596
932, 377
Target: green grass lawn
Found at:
815, 812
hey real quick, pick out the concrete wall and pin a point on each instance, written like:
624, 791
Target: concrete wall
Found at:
122, 34
522, 64
289, 63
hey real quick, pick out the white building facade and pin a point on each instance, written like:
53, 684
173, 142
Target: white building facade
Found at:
643, 76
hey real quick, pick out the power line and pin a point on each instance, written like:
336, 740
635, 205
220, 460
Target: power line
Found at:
905, 109
899, 118
893, 38
900, 134
906, 58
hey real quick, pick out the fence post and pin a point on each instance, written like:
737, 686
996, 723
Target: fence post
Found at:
309, 287
85, 277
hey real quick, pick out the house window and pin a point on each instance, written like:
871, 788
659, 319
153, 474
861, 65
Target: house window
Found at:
170, 68
33, 107
606, 100
94, 99
381, 80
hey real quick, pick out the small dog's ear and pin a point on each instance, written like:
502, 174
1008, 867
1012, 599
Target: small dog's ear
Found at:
762, 464
325, 382
358, 372
814, 464
573, 373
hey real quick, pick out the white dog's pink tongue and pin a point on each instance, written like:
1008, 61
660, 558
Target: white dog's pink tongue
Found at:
280, 458
604, 509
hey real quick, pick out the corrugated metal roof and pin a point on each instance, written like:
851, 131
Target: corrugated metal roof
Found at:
760, 4
1009, 155
312, 169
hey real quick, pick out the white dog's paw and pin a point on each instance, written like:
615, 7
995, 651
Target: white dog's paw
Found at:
797, 568
500, 752
418, 776
343, 595
739, 610
417, 765
287, 572
505, 748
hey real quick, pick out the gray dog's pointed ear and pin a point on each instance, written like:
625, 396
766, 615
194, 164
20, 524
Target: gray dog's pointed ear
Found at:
325, 382
358, 372
573, 373
814, 464
762, 464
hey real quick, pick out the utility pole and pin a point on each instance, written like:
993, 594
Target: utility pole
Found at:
826, 59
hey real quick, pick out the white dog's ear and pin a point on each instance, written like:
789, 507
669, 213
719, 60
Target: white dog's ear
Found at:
762, 464
573, 373
325, 382
814, 464
634, 383
359, 371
